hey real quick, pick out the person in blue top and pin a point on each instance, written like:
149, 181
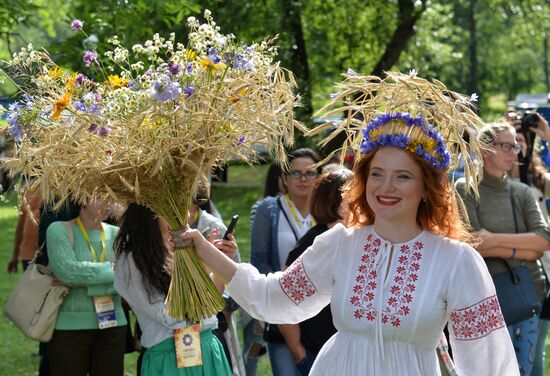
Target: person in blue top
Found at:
90, 331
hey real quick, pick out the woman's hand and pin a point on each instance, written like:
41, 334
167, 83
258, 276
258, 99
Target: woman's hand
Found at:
229, 247
486, 240
542, 129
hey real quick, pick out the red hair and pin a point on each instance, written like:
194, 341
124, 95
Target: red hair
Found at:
437, 213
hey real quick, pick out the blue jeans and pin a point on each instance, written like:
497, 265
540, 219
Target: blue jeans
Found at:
538, 364
282, 362
251, 337
524, 337
305, 365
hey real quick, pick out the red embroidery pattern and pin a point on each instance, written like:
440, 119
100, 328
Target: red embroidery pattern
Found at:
296, 283
477, 320
401, 291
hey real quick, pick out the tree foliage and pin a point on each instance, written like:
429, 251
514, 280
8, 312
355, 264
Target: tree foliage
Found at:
488, 46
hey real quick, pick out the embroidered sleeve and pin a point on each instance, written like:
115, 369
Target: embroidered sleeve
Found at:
478, 320
296, 283
479, 339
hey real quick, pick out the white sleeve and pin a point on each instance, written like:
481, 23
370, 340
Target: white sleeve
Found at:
129, 284
479, 337
298, 293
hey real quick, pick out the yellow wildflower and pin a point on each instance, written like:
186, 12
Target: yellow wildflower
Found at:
190, 54
71, 83
116, 81
55, 72
60, 105
237, 97
208, 64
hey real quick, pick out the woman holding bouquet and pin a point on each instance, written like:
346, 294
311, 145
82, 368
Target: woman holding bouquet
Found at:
142, 276
391, 277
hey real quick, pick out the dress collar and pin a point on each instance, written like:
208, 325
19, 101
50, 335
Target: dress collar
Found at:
490, 181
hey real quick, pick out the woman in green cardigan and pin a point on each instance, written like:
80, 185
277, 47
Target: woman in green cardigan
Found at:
90, 331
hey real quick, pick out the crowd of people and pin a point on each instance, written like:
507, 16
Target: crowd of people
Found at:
358, 272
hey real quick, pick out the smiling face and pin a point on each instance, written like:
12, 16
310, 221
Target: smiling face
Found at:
394, 186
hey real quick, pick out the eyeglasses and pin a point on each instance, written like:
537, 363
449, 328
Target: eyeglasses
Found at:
508, 147
309, 175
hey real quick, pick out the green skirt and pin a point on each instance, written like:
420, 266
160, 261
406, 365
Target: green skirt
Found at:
160, 360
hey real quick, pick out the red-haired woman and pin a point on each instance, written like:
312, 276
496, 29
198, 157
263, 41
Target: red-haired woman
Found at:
395, 277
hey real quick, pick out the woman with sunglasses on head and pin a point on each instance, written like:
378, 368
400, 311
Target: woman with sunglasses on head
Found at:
510, 227
395, 276
278, 224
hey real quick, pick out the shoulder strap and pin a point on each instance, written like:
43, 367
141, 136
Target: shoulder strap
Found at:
286, 217
69, 232
513, 206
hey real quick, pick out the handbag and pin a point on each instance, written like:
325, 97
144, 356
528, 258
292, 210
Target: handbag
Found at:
34, 302
516, 294
515, 288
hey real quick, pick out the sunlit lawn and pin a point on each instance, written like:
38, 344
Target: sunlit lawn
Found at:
236, 197
17, 352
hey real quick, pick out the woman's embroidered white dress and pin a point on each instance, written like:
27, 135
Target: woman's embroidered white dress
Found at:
389, 302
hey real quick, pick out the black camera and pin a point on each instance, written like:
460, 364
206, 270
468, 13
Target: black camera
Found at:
529, 120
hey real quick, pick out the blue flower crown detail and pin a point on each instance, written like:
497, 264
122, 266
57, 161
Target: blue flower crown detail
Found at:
408, 133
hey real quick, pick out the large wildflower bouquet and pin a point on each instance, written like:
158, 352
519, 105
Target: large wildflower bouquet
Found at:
145, 124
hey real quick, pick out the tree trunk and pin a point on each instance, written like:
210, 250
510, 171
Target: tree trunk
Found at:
472, 48
292, 9
545, 62
408, 17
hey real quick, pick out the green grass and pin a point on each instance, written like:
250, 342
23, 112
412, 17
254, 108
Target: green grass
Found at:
236, 197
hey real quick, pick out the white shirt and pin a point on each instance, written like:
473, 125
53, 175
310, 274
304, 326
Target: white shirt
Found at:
389, 303
286, 238
155, 325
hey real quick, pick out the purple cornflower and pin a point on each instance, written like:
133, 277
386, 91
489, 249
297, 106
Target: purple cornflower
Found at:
104, 131
173, 68
79, 106
189, 68
89, 57
80, 78
98, 97
241, 140
212, 55
188, 91
164, 90
92, 128
77, 24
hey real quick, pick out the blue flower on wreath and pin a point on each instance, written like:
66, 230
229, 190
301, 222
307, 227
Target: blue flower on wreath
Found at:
390, 129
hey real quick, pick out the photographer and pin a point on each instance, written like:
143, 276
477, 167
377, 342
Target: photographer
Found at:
531, 171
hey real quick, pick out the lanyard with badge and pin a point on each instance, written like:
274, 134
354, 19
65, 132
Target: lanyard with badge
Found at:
188, 339
104, 304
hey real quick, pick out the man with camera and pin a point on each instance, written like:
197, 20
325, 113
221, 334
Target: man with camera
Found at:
531, 171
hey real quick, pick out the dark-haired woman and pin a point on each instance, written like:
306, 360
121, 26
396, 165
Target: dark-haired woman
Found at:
142, 278
306, 339
279, 222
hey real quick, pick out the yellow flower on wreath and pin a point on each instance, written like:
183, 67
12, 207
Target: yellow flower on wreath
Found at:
60, 105
116, 81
